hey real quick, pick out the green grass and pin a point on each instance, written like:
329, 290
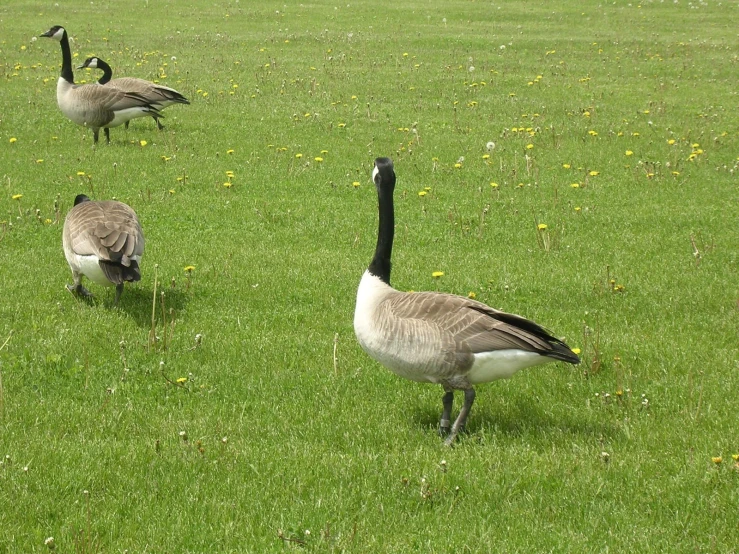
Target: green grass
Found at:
281, 436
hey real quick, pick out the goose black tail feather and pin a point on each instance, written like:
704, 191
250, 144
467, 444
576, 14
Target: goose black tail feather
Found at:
117, 273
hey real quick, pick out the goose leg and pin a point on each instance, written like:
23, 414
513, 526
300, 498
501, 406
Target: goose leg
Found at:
126, 125
95, 135
79, 290
107, 135
469, 398
159, 125
445, 423
118, 291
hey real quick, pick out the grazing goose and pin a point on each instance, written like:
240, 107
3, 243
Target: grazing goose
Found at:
441, 338
159, 96
92, 105
102, 241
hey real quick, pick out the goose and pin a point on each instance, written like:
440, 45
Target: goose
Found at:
159, 96
103, 241
93, 105
441, 338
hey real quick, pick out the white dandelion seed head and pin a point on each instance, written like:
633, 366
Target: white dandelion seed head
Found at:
33, 39
471, 68
490, 146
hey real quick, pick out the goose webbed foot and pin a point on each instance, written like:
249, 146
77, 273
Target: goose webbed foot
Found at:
159, 125
79, 290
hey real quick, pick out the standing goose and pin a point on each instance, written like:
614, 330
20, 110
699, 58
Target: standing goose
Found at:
159, 96
441, 338
94, 106
102, 241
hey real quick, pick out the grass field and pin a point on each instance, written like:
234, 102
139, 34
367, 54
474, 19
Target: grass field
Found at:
613, 124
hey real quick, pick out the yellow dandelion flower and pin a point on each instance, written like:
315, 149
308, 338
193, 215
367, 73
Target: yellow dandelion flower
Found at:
541, 226
171, 191
529, 146
717, 459
586, 113
319, 159
578, 209
458, 165
182, 380
671, 142
735, 457
422, 193
355, 184
228, 185
575, 185
354, 97
494, 185
471, 295
80, 174
342, 125
676, 173
324, 152
566, 166
13, 139
629, 153
594, 173
205, 94
230, 151
17, 196
40, 161
635, 134
486, 156
229, 173
189, 268
47, 221
437, 274
576, 351
143, 143
298, 155
593, 133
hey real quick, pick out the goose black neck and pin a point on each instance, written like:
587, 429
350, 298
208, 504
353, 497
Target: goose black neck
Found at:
381, 264
107, 72
67, 74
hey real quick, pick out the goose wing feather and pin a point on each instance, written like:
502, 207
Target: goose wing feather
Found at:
154, 93
474, 327
109, 230
107, 98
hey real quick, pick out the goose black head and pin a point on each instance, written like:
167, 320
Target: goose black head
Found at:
57, 32
89, 62
383, 175
80, 198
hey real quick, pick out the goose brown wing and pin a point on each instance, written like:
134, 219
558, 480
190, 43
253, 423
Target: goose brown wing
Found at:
109, 230
108, 98
478, 328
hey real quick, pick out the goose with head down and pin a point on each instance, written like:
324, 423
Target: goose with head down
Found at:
104, 242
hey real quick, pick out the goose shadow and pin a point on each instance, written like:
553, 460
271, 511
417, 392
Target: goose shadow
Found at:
515, 419
136, 303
